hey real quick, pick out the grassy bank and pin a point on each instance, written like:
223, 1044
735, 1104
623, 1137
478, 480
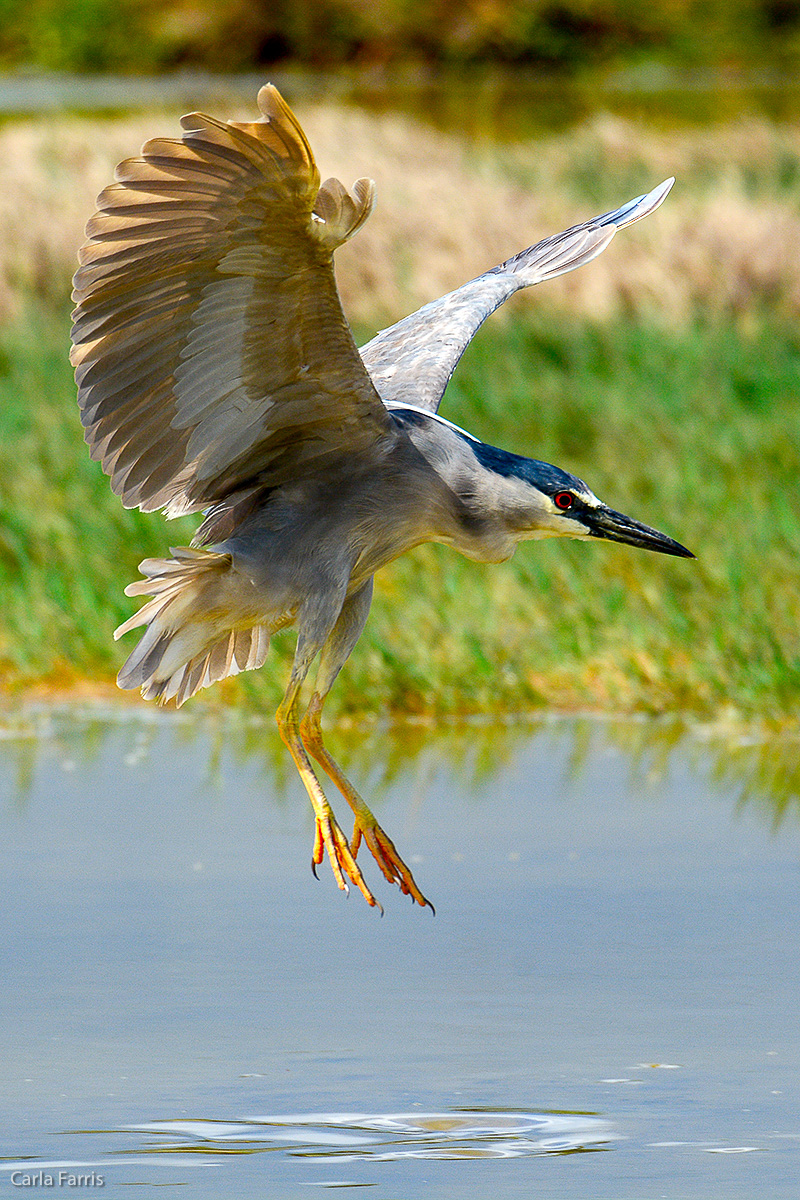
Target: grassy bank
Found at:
694, 429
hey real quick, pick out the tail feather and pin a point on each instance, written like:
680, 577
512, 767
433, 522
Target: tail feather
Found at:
183, 648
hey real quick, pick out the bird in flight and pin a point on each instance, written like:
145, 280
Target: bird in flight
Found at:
216, 373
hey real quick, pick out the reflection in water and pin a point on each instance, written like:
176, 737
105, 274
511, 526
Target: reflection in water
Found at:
347, 1137
763, 768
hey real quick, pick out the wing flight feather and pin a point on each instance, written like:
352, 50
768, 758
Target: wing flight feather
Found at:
209, 344
411, 362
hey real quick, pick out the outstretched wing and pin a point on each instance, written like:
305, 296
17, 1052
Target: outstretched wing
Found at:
210, 348
411, 362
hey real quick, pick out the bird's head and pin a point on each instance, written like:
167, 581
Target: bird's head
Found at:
545, 501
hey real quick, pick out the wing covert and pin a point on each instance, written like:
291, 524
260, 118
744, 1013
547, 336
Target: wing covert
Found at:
209, 343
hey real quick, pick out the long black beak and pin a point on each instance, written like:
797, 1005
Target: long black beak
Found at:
605, 523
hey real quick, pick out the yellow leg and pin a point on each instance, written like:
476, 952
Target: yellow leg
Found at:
328, 835
365, 826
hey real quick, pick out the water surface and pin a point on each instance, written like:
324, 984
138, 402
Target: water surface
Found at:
486, 102
606, 1004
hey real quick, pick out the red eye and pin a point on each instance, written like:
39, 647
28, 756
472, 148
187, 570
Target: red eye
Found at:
563, 500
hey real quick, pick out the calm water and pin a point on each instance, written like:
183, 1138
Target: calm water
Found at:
484, 102
606, 1004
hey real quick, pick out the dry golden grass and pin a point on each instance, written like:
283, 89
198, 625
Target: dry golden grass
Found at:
725, 241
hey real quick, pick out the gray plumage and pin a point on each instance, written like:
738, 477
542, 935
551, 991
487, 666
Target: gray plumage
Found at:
216, 372
411, 363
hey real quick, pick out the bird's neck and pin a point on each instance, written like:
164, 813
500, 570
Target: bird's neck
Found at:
477, 509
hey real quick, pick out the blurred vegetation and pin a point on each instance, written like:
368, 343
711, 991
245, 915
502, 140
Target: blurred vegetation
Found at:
141, 35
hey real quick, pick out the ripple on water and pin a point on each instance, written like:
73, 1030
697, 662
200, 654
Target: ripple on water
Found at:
345, 1137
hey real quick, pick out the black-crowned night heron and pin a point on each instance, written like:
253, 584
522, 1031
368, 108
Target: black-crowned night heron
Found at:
216, 373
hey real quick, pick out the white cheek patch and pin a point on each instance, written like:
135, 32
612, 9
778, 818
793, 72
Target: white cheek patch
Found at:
554, 525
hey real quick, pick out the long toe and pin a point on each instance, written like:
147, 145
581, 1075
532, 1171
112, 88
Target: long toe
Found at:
329, 836
391, 864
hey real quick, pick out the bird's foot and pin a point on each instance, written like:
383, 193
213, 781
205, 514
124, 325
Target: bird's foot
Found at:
328, 837
382, 849
365, 826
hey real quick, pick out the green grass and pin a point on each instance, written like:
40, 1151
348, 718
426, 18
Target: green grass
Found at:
694, 431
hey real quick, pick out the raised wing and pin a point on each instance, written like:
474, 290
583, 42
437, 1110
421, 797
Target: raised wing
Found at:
411, 362
210, 348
